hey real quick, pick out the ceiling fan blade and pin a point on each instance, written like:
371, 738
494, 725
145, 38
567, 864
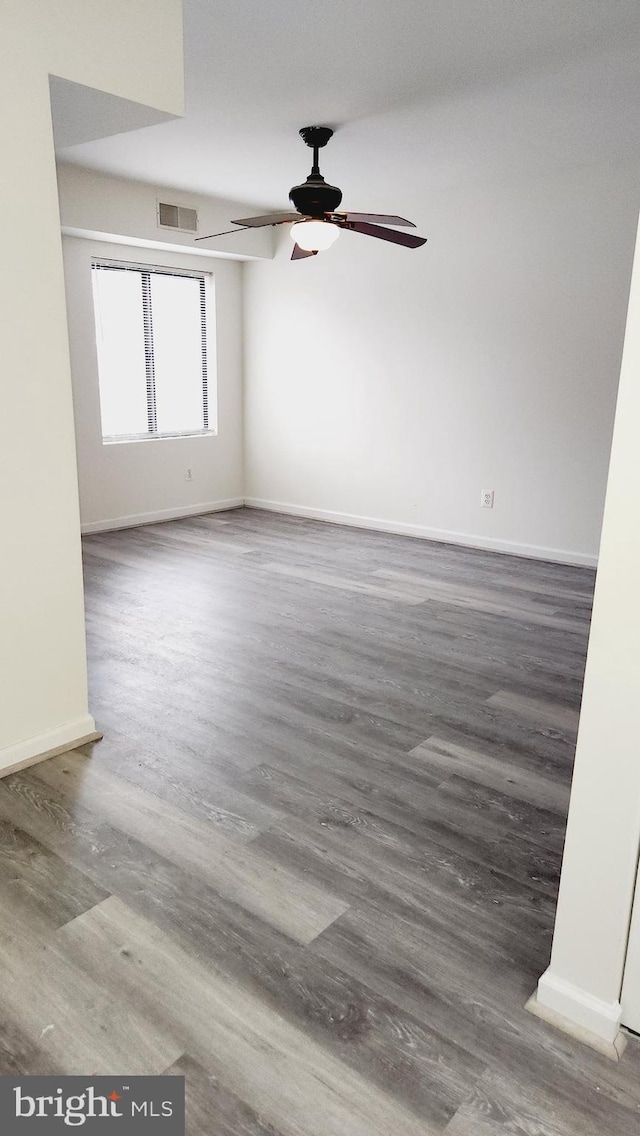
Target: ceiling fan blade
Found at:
256, 223
299, 253
406, 239
225, 233
268, 219
377, 219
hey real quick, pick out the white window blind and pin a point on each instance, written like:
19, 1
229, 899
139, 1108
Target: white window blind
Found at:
153, 341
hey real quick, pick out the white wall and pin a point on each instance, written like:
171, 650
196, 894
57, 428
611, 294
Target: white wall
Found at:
130, 50
124, 210
584, 979
395, 385
130, 482
43, 690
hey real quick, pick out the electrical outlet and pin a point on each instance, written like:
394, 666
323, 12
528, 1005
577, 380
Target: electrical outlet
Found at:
486, 499
188, 474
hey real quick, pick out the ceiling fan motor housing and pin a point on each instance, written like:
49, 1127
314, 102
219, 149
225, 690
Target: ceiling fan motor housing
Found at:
315, 197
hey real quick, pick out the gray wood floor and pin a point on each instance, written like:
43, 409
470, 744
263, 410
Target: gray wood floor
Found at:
313, 864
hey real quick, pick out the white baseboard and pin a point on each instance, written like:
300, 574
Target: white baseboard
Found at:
578, 1012
135, 519
62, 738
444, 536
490, 544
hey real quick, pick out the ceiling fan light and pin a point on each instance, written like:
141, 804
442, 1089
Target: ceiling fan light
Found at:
314, 236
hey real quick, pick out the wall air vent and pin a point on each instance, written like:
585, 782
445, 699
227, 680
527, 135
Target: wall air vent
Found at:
177, 217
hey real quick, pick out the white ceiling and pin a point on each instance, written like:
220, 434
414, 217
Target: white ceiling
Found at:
424, 94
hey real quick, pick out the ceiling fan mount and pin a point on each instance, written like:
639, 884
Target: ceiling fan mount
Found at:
316, 223
316, 136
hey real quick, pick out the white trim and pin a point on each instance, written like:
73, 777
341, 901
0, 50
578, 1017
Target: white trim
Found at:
164, 246
611, 1049
491, 544
35, 749
469, 540
630, 993
124, 439
578, 1009
134, 519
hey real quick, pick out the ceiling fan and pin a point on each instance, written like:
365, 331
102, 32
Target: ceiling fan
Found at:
316, 224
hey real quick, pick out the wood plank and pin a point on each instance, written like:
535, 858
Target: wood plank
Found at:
273, 893
546, 714
454, 987
212, 1108
35, 882
281, 1074
19, 1056
381, 1042
504, 1106
494, 773
492, 602
329, 580
73, 1019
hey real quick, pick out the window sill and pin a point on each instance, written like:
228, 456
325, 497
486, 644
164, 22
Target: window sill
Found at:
126, 439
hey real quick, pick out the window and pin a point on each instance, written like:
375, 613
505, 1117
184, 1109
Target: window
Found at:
154, 351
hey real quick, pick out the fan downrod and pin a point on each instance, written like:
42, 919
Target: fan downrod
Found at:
314, 198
